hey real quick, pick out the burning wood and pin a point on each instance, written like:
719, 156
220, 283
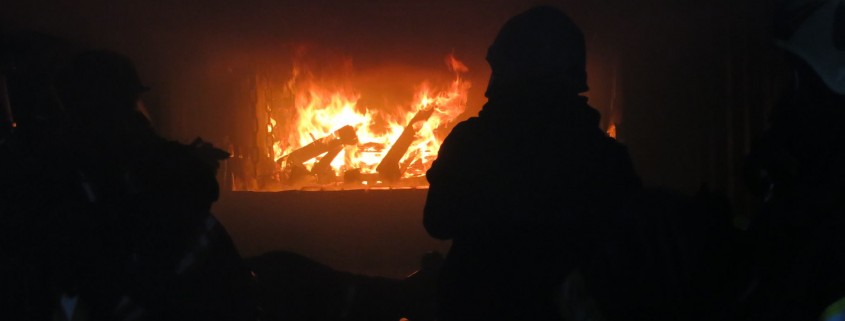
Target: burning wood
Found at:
377, 145
389, 168
344, 136
331, 145
323, 168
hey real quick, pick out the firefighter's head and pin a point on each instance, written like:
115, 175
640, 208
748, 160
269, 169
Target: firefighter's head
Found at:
99, 84
540, 47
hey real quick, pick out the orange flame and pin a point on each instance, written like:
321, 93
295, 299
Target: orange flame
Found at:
320, 110
611, 130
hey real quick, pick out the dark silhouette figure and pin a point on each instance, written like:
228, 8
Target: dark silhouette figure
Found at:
292, 287
120, 217
522, 189
31, 181
666, 256
796, 168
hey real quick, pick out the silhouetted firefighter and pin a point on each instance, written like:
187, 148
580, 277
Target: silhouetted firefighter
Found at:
119, 217
33, 184
798, 244
522, 188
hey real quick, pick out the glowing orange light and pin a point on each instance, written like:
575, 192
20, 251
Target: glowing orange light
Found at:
611, 130
320, 110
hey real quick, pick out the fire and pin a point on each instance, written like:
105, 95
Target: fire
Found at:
611, 130
331, 136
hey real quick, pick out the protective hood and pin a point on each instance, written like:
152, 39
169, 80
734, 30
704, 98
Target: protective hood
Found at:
819, 40
542, 48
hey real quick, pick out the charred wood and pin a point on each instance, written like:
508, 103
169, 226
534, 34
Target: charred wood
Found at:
344, 136
323, 168
389, 167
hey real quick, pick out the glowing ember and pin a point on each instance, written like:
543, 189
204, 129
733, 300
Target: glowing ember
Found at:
316, 130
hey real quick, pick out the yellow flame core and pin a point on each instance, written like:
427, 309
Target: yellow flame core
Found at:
320, 111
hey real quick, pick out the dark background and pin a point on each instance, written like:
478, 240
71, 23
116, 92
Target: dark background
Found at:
688, 82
